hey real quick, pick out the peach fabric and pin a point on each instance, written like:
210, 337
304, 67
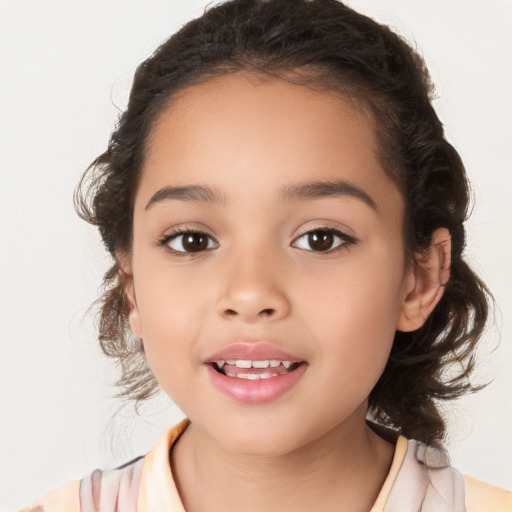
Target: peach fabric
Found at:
66, 498
484, 497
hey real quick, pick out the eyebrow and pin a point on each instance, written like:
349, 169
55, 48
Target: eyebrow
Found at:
299, 192
198, 193
321, 189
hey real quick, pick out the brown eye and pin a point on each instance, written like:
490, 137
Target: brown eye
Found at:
323, 240
191, 242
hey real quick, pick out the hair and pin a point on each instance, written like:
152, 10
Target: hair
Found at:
325, 45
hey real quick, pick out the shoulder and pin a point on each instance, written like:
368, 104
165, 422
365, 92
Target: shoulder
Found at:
65, 498
422, 478
425, 480
101, 491
482, 497
146, 479
110, 491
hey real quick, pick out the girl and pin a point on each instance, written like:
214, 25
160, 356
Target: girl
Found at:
285, 219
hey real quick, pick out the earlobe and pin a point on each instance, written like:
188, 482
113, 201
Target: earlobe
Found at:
133, 315
424, 284
126, 277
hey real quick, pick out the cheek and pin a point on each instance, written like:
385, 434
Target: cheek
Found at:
354, 313
168, 297
170, 311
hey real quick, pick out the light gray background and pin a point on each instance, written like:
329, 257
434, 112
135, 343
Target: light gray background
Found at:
64, 65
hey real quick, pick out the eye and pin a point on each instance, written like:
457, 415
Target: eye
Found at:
189, 242
323, 240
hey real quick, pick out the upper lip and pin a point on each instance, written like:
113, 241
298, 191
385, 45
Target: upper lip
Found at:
260, 351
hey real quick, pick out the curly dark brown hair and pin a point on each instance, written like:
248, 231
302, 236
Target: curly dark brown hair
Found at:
320, 44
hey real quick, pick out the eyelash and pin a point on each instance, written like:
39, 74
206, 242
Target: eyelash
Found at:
344, 240
164, 242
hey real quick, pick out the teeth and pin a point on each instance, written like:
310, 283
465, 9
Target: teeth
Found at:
260, 364
251, 376
246, 363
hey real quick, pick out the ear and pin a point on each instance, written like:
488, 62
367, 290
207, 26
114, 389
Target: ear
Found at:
424, 284
126, 276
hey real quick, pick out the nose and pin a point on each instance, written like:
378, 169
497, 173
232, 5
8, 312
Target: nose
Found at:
252, 291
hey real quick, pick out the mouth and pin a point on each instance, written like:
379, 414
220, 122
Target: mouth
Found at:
255, 369
254, 373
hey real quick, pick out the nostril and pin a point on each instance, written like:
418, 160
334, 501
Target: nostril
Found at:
247, 314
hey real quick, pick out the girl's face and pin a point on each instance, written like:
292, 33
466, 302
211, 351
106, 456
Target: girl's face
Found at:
265, 229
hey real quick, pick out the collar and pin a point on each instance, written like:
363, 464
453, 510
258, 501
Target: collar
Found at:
157, 489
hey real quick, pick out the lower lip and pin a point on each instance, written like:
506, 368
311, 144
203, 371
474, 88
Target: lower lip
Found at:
258, 391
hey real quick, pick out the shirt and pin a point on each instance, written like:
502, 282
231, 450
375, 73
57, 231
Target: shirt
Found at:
420, 479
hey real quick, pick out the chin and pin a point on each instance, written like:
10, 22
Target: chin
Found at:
265, 438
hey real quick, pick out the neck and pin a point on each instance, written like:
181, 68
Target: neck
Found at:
342, 470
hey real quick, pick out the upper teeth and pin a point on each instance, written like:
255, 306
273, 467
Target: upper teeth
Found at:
246, 363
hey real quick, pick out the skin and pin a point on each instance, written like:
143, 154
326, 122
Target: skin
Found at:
248, 138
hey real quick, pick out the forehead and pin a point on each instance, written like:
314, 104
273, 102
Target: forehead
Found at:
241, 131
